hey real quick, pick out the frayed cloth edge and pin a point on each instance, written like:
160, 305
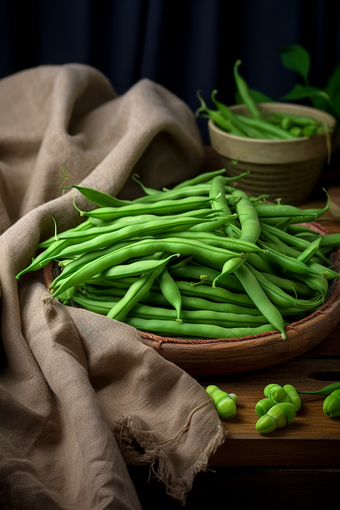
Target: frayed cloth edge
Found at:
157, 455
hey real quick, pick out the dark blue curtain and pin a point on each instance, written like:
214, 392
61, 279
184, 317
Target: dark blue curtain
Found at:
184, 45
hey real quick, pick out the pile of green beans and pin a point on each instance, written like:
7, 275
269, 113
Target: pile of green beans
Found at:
274, 126
199, 261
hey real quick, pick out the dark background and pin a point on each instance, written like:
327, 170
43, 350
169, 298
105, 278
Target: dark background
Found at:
184, 45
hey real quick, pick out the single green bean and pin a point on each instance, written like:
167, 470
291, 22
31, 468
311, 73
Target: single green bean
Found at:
174, 328
163, 207
201, 178
260, 299
266, 127
310, 250
265, 210
243, 90
99, 197
171, 292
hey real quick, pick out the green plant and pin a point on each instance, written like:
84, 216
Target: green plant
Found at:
297, 59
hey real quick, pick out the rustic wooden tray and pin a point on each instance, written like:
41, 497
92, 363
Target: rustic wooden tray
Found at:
229, 356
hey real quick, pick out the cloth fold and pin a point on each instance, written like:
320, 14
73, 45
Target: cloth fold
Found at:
81, 395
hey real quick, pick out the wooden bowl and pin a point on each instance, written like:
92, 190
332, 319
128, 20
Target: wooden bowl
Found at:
286, 169
230, 356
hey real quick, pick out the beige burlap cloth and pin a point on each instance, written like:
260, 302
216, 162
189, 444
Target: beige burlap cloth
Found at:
80, 394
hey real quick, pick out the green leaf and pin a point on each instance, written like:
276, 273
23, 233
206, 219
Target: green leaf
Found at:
256, 95
333, 85
297, 59
322, 104
302, 91
336, 100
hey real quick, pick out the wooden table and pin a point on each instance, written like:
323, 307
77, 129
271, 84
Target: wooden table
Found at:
294, 467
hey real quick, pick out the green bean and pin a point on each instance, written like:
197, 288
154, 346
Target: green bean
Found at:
40, 261
53, 249
243, 90
250, 230
265, 210
285, 262
266, 127
107, 293
111, 226
134, 294
260, 264
129, 232
296, 131
296, 230
211, 225
330, 240
274, 242
66, 296
133, 269
119, 223
295, 313
260, 299
237, 246
147, 191
198, 272
293, 286
99, 197
301, 120
226, 320
170, 291
220, 204
310, 250
291, 240
282, 223
199, 179
318, 211
188, 302
218, 294
186, 329
317, 283
277, 296
175, 194
319, 269
250, 226
219, 120
87, 258
202, 316
141, 248
229, 115
100, 307
163, 207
